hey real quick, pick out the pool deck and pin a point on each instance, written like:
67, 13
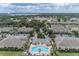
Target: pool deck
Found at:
41, 53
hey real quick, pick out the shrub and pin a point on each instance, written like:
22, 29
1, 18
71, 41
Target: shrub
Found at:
11, 49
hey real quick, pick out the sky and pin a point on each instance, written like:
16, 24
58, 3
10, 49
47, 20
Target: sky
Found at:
39, 7
39, 1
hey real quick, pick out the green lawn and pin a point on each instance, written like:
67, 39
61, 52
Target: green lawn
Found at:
19, 53
68, 53
11, 53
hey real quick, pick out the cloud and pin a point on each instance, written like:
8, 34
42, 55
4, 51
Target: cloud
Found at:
21, 8
24, 7
5, 4
37, 7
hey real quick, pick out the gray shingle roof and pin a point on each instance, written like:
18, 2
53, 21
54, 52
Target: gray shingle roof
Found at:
67, 42
13, 41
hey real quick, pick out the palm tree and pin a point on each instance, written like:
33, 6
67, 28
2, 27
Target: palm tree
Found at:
45, 26
52, 36
25, 46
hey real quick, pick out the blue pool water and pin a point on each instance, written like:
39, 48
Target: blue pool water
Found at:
41, 48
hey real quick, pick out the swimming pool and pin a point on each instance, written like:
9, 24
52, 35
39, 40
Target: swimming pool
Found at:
39, 48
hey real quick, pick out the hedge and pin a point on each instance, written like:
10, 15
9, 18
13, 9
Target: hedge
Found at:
11, 49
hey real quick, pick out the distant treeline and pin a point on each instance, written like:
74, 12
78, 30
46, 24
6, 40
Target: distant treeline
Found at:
39, 14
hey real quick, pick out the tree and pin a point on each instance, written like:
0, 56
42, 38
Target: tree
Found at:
25, 46
63, 18
23, 22
32, 33
52, 36
75, 33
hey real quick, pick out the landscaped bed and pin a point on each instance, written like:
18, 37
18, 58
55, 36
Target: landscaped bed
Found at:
11, 53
